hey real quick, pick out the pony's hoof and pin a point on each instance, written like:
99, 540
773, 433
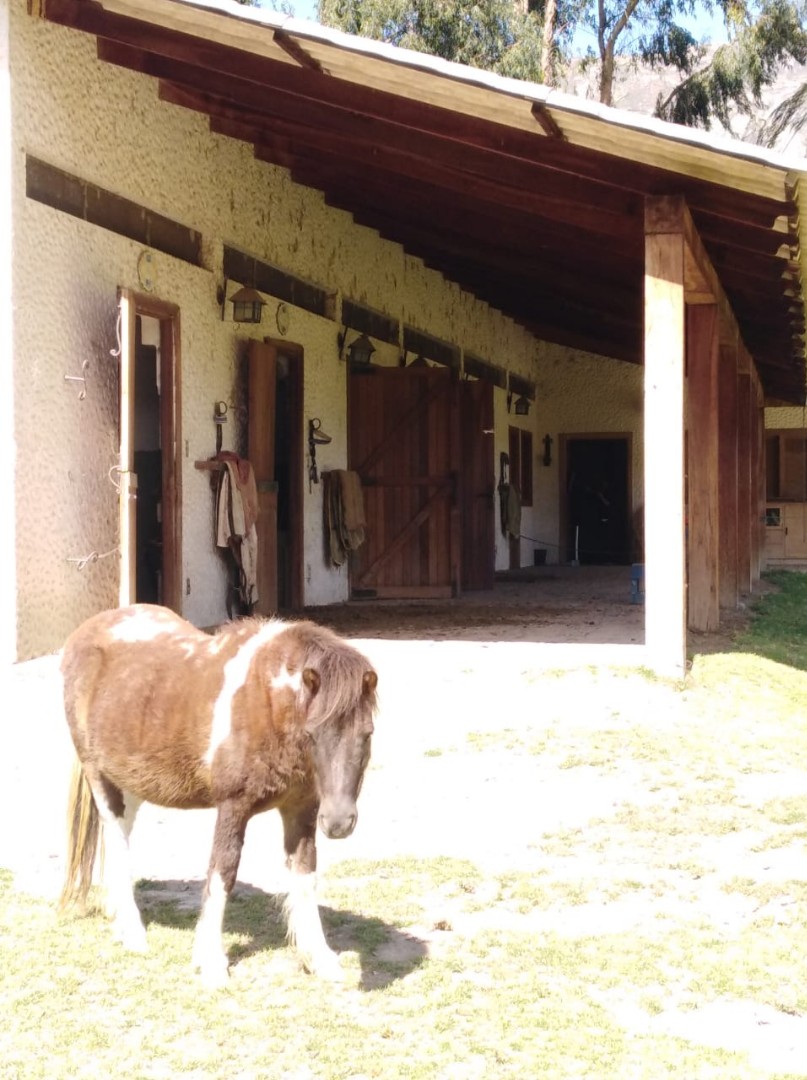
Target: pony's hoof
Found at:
213, 967
214, 978
132, 938
327, 967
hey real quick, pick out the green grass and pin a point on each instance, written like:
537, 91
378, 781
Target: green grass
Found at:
778, 628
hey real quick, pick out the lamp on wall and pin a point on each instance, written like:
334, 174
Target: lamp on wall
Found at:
247, 304
522, 407
359, 351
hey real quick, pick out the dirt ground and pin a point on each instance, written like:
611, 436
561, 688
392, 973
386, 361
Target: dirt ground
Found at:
551, 604
445, 668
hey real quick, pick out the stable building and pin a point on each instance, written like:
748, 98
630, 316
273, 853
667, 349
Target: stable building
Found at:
229, 229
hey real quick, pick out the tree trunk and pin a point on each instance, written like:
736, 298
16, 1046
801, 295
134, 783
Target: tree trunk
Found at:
548, 53
607, 77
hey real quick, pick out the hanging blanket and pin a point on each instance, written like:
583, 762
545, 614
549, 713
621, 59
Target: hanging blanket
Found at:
510, 510
345, 523
236, 517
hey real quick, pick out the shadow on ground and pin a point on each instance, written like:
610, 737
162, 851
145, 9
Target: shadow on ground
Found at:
385, 952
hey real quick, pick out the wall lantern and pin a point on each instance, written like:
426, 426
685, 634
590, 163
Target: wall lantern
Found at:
247, 305
359, 352
521, 406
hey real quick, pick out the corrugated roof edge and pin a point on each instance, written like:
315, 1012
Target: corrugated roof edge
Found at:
553, 99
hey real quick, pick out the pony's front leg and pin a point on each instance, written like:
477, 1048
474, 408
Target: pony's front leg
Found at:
304, 926
208, 949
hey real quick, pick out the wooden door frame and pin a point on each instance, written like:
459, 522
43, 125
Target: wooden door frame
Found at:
296, 355
563, 496
170, 439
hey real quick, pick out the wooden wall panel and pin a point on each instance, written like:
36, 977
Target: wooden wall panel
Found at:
728, 475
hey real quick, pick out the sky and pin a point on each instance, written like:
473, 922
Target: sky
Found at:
702, 26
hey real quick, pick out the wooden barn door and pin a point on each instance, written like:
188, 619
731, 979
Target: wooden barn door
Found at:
477, 485
261, 452
404, 443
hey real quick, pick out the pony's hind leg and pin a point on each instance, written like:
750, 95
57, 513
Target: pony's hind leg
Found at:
302, 911
118, 810
208, 949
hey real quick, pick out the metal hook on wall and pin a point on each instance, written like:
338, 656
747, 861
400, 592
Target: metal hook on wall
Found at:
219, 419
81, 379
316, 437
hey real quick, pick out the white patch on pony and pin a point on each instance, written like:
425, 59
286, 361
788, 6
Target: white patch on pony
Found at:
304, 928
285, 678
235, 675
139, 626
208, 951
117, 871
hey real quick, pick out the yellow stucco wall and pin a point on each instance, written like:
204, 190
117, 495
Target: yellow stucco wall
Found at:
785, 417
107, 126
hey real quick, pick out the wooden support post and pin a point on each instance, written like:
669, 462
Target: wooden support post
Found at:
702, 461
664, 353
757, 478
728, 474
744, 514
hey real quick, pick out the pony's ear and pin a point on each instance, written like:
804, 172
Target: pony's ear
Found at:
369, 681
311, 680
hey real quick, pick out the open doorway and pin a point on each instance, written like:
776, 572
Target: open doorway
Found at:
596, 503
149, 438
148, 463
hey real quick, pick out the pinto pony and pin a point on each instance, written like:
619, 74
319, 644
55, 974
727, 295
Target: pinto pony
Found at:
261, 715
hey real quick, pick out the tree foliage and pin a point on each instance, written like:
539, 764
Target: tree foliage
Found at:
532, 39
489, 34
737, 73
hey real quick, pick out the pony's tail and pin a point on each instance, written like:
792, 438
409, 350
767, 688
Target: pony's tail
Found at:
83, 823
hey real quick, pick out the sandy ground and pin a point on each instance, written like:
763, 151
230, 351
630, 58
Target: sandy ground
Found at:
444, 668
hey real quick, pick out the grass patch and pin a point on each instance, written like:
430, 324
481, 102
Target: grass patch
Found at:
778, 627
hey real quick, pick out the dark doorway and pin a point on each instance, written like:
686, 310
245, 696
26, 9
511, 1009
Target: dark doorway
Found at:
148, 463
598, 510
288, 472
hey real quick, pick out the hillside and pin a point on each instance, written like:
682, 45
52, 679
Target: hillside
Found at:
638, 87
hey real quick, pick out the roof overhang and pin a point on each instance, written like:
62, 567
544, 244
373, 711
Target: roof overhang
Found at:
530, 199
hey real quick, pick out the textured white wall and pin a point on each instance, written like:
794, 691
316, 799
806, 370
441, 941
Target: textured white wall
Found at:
8, 596
107, 126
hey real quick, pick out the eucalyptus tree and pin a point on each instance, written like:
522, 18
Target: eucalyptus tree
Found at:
535, 39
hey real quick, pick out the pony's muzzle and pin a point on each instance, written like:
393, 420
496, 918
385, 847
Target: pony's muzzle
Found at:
337, 822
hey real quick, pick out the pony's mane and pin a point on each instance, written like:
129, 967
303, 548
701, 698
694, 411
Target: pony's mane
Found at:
340, 666
341, 669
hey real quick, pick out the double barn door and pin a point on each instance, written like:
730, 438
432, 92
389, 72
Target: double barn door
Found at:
418, 441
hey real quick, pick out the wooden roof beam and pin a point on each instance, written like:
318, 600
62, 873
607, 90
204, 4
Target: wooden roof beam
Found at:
572, 165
